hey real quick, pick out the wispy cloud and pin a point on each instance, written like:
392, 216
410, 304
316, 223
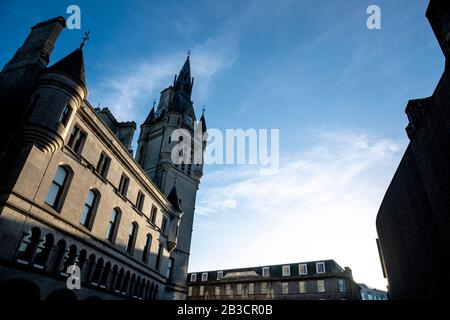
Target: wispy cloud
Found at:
129, 92
322, 203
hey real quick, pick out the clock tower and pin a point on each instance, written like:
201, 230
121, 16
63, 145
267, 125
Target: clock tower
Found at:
156, 141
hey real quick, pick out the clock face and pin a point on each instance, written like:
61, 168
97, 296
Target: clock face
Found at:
188, 121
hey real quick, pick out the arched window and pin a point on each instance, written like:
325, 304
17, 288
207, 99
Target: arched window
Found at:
125, 282
147, 247
169, 268
81, 259
132, 237
155, 293
30, 241
105, 275
150, 292
136, 287
43, 251
159, 257
119, 280
60, 253
90, 206
70, 258
112, 225
97, 271
57, 188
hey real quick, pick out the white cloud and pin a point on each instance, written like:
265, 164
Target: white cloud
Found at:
321, 204
139, 82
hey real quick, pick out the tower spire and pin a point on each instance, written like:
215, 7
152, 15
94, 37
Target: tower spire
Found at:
184, 82
85, 39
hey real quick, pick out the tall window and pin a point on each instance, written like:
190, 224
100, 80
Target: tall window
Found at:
163, 224
320, 267
265, 272
228, 290
123, 185
54, 196
159, 256
112, 225
285, 287
201, 290
251, 288
76, 140
148, 245
320, 285
217, 291
302, 287
89, 209
65, 115
286, 271
28, 246
341, 285
219, 275
132, 237
303, 269
169, 268
239, 289
264, 287
205, 276
193, 277
103, 165
190, 291
153, 214
140, 201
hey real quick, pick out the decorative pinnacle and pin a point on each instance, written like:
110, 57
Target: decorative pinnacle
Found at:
189, 53
85, 39
154, 103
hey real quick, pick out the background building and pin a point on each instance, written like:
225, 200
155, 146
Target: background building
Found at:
71, 192
413, 222
298, 281
371, 293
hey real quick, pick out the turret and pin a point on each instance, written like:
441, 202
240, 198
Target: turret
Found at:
60, 91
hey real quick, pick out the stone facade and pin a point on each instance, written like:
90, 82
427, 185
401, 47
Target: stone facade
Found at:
316, 280
73, 195
413, 221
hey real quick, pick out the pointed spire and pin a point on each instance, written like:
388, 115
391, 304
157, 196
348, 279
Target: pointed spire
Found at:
71, 65
151, 115
202, 120
173, 197
183, 83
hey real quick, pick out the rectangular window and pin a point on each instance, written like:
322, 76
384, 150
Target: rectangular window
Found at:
88, 209
123, 185
147, 248
285, 287
169, 268
228, 290
140, 201
76, 140
264, 287
103, 165
302, 269
286, 271
112, 225
153, 214
239, 288
302, 287
219, 275
193, 277
65, 115
57, 188
158, 257
132, 237
217, 291
266, 272
200, 292
164, 225
320, 267
320, 285
204, 276
190, 291
251, 288
341, 285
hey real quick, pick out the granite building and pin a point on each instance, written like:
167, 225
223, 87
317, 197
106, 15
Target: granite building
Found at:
413, 221
72, 193
317, 280
368, 293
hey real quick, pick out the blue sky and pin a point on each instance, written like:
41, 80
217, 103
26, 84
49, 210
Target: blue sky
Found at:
336, 90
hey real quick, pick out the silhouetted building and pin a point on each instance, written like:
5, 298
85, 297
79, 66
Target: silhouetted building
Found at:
413, 222
317, 280
71, 193
371, 293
